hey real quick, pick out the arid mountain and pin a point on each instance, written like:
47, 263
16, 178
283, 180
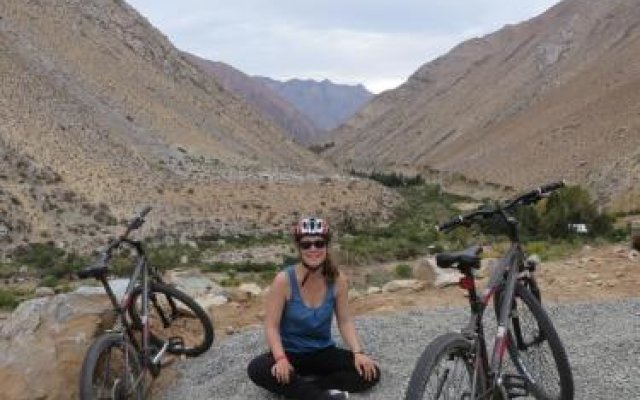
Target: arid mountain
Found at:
327, 104
261, 98
556, 96
99, 108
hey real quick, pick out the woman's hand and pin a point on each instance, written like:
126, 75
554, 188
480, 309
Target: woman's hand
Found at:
281, 370
365, 366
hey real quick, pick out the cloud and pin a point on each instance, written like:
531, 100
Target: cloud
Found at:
375, 42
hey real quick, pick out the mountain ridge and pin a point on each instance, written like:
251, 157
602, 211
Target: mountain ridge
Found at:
96, 95
327, 104
548, 98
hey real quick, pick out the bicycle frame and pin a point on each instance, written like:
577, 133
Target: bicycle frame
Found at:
488, 377
140, 272
504, 279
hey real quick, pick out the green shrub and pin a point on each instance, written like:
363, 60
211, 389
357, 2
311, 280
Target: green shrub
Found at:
574, 205
267, 276
392, 179
410, 234
403, 271
319, 148
8, 300
167, 257
551, 219
48, 259
49, 281
38, 255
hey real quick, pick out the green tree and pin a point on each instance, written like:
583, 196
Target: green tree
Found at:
574, 205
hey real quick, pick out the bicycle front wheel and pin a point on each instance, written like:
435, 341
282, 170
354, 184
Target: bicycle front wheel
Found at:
173, 314
111, 370
444, 371
536, 350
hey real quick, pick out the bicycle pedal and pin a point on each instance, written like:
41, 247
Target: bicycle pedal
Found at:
176, 344
158, 357
516, 386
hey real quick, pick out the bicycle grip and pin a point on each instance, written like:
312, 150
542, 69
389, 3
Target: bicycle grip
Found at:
445, 226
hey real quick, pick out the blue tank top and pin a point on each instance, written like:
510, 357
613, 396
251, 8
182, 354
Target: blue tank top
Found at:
302, 328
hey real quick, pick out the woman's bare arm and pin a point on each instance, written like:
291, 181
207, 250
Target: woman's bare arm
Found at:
345, 322
274, 304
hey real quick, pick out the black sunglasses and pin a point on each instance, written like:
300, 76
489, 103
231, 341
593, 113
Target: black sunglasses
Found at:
318, 244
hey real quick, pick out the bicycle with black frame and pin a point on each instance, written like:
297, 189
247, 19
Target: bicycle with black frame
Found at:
457, 365
153, 319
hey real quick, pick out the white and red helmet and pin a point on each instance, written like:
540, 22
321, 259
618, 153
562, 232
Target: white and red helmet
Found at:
311, 226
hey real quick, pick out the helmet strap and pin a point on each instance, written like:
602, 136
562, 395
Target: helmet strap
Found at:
310, 270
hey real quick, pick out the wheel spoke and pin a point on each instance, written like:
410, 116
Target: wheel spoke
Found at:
535, 356
450, 379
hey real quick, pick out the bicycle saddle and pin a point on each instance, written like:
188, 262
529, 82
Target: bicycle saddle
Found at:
468, 258
93, 271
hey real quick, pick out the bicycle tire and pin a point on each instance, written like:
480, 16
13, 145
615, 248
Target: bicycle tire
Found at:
443, 350
531, 334
92, 369
185, 318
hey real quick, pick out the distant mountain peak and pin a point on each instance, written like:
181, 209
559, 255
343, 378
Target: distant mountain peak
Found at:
327, 104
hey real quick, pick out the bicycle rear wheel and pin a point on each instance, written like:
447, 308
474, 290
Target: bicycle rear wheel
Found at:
172, 314
535, 348
444, 370
111, 370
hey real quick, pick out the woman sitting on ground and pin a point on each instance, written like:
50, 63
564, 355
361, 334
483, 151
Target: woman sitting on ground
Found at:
298, 315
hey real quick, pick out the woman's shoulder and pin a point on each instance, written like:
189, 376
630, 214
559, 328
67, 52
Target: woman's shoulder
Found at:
282, 277
341, 280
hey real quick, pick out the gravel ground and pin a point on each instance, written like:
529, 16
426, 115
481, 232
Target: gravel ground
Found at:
602, 341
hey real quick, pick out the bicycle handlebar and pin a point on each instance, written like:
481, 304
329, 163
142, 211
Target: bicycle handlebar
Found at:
530, 197
135, 223
105, 256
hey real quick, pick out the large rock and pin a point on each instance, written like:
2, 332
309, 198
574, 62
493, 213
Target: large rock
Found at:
373, 290
441, 277
44, 291
404, 284
251, 288
203, 290
423, 271
212, 301
43, 343
118, 286
194, 283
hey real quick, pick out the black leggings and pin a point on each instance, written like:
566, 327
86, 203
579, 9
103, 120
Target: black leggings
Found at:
333, 367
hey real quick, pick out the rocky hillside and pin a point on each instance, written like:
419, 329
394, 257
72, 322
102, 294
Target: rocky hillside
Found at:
99, 108
327, 104
261, 98
555, 96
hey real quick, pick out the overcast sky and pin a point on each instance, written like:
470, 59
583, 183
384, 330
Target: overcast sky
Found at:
378, 43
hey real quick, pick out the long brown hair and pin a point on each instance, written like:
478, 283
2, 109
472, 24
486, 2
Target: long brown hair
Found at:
330, 269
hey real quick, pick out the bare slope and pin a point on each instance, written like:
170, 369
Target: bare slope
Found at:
556, 96
265, 100
96, 96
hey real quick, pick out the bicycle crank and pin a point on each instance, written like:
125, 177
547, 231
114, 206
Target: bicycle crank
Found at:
515, 386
